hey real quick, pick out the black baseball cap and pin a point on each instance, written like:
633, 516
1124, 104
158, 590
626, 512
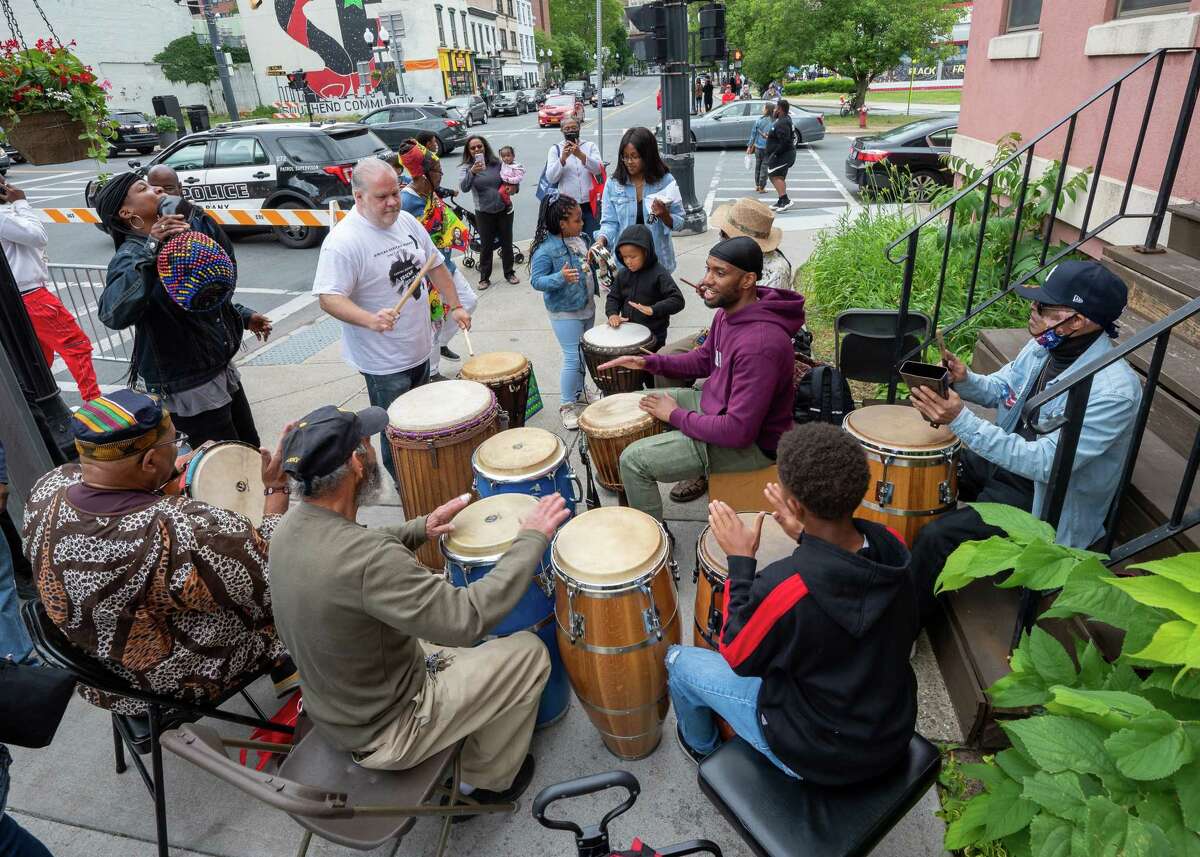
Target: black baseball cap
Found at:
325, 439
1089, 288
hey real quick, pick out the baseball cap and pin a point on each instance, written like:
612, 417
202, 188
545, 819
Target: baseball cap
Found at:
324, 440
1089, 288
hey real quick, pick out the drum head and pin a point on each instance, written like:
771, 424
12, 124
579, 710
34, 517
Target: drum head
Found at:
615, 414
897, 427
628, 335
440, 405
494, 366
519, 452
229, 476
487, 527
609, 546
774, 545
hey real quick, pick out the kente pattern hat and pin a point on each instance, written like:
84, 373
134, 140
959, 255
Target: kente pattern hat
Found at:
749, 218
119, 425
196, 272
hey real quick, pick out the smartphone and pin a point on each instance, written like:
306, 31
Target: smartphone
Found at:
479, 159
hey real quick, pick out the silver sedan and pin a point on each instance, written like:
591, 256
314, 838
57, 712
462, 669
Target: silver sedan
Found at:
730, 125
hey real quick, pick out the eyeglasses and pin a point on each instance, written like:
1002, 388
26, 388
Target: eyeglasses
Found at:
1041, 308
180, 439
629, 159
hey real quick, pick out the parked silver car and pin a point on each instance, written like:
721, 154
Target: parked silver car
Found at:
474, 109
730, 125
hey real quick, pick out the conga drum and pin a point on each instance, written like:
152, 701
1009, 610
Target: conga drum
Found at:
228, 475
602, 343
482, 533
712, 572
526, 460
433, 431
617, 613
506, 373
914, 467
610, 425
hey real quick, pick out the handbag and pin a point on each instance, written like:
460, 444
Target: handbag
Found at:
545, 187
33, 700
596, 194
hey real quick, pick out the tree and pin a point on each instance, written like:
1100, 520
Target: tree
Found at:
858, 39
577, 19
186, 60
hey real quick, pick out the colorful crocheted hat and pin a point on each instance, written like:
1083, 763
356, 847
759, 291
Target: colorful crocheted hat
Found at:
196, 272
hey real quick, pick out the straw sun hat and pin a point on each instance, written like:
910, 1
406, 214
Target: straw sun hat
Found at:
750, 218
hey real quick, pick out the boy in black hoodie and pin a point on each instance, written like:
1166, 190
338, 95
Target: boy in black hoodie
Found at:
813, 666
643, 290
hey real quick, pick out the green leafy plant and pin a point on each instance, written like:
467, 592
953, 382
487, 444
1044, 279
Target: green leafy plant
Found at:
187, 60
956, 792
1107, 762
49, 77
842, 85
165, 124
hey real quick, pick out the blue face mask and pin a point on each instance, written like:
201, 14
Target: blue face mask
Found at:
1050, 339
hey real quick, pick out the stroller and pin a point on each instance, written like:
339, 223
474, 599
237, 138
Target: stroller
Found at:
592, 841
473, 245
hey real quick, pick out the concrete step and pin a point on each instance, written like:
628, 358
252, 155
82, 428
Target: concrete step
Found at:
1185, 229
1158, 284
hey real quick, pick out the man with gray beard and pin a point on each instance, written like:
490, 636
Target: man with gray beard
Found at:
385, 647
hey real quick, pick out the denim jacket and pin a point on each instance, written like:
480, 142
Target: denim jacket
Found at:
758, 134
1103, 442
619, 210
546, 276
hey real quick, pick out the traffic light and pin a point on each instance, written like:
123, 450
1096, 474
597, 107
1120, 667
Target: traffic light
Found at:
651, 19
295, 79
712, 32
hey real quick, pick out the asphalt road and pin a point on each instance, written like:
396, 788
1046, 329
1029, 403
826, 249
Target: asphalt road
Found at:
276, 281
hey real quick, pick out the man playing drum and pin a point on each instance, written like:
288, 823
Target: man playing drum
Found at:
1073, 319
735, 422
366, 264
169, 593
358, 605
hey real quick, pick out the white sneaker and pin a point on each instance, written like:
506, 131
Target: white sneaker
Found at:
782, 206
570, 417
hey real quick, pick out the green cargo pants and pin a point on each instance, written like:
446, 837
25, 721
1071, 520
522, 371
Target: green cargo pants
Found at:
673, 456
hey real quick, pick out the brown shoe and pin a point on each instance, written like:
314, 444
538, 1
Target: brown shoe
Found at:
689, 489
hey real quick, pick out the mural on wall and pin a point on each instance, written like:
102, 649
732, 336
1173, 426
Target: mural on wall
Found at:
341, 53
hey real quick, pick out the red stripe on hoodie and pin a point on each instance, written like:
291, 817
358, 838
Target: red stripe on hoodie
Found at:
783, 598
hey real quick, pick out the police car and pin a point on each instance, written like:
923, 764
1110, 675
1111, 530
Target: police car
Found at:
258, 164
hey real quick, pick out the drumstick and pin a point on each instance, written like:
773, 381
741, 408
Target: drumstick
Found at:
941, 344
467, 337
416, 282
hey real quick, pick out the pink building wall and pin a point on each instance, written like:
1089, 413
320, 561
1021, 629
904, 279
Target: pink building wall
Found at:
1029, 95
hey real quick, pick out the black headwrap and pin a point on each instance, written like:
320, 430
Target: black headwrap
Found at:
741, 252
109, 201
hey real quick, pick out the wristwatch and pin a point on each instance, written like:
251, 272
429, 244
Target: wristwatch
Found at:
268, 491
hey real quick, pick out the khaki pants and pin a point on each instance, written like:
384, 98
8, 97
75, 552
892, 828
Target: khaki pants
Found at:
679, 346
673, 455
489, 695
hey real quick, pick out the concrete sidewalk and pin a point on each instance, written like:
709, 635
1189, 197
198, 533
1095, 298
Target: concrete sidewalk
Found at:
69, 795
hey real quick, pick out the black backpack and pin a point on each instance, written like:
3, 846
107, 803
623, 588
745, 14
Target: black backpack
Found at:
822, 396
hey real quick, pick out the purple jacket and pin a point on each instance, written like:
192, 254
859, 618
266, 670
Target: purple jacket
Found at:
749, 363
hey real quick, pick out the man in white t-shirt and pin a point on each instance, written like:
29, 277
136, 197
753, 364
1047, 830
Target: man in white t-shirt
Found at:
366, 264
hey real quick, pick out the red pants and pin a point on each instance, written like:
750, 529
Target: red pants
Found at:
59, 333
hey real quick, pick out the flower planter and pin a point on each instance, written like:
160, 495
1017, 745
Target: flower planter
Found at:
166, 138
51, 137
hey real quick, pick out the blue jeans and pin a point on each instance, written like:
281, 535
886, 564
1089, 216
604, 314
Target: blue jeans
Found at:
14, 639
382, 390
16, 841
591, 226
568, 332
703, 684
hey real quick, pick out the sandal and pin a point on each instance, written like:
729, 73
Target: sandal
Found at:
689, 489
512, 278
484, 284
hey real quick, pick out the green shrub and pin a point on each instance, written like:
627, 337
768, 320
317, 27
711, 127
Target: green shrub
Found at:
825, 84
165, 124
1108, 763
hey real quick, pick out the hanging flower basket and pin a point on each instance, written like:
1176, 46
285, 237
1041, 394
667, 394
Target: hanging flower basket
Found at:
52, 108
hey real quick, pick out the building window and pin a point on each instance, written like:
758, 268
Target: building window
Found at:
466, 38
1129, 8
441, 30
500, 6
453, 29
1023, 14
504, 40
510, 9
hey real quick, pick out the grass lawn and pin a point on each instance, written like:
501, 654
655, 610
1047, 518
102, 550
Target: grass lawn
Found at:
874, 123
897, 96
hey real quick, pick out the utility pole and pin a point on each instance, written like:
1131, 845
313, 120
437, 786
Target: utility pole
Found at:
677, 116
599, 79
214, 39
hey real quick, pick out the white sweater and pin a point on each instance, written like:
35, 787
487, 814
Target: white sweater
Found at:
24, 241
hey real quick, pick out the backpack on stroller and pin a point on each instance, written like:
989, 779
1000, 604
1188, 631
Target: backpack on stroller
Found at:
473, 245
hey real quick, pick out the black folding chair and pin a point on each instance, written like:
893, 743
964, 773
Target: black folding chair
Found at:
865, 341
140, 735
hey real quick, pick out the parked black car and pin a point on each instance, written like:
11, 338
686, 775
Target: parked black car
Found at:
511, 102
255, 164
397, 123
536, 98
135, 131
911, 154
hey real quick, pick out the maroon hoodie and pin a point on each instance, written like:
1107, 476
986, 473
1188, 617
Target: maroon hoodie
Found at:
749, 363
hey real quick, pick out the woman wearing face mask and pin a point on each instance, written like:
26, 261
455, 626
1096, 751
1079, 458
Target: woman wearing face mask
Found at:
573, 166
1073, 320
642, 190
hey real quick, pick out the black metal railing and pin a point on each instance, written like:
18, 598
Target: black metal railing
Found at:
946, 216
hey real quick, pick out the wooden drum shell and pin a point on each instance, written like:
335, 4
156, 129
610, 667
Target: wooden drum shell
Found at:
511, 393
624, 693
605, 451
